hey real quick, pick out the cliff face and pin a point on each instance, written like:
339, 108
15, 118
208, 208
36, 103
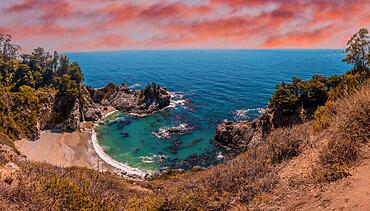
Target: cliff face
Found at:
139, 102
65, 113
240, 136
24, 115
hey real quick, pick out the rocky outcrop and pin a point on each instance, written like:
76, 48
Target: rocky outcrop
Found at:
46, 113
142, 102
168, 133
239, 136
60, 111
298, 116
101, 95
64, 114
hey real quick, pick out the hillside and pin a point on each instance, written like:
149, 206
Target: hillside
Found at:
309, 151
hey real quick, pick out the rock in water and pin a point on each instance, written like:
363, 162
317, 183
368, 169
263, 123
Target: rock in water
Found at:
239, 136
167, 133
142, 102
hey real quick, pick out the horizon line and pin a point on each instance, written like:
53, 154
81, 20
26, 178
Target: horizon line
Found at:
199, 49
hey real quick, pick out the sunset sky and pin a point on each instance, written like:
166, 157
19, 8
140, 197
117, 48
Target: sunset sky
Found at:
92, 25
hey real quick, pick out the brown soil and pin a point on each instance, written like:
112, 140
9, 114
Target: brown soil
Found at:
297, 191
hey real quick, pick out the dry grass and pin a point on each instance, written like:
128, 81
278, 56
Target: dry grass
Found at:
286, 143
349, 130
44, 187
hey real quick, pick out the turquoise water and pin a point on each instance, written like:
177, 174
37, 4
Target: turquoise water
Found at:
216, 85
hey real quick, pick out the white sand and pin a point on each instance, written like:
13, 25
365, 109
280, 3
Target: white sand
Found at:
62, 149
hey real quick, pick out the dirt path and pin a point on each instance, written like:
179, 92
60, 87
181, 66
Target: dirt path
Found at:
351, 193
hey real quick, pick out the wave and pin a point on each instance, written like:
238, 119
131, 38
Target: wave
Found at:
219, 156
166, 132
249, 113
109, 113
176, 100
134, 86
153, 158
128, 171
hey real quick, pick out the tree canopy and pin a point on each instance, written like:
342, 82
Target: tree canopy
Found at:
358, 50
39, 69
288, 98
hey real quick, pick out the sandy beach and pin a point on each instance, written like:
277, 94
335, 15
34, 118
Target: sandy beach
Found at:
79, 148
62, 149
66, 149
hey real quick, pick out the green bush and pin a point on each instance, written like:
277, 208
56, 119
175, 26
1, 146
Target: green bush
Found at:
323, 116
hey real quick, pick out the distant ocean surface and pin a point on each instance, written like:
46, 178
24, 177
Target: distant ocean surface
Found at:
216, 85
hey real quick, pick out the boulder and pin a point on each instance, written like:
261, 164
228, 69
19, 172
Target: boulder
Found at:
239, 136
93, 114
141, 102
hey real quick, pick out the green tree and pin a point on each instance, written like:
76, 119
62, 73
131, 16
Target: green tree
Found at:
23, 76
358, 50
75, 72
8, 50
8, 54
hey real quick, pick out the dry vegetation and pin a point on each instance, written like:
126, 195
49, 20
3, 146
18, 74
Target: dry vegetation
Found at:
44, 187
349, 130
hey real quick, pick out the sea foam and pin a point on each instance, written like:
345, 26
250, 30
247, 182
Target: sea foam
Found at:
128, 171
244, 114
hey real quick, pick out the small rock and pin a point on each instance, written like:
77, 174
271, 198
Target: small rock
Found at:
11, 166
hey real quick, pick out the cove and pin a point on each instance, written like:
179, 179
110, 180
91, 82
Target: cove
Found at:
215, 85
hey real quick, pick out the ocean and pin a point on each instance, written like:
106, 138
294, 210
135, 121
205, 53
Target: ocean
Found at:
210, 86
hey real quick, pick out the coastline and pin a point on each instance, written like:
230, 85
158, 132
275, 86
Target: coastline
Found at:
82, 149
123, 169
120, 168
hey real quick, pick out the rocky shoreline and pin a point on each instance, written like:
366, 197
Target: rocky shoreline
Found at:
92, 103
237, 137
82, 114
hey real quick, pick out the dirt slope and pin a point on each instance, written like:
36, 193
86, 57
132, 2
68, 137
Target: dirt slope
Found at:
296, 191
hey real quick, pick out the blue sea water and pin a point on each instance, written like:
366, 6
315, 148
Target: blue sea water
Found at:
216, 85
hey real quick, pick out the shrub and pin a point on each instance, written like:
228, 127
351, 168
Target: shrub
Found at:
348, 133
330, 173
26, 89
286, 143
323, 116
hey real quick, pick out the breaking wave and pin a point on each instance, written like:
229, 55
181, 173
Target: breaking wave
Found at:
248, 114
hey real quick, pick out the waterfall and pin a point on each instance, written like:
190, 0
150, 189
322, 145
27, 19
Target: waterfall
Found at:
82, 114
82, 111
80, 102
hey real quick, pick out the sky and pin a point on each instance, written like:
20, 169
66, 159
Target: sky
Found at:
99, 25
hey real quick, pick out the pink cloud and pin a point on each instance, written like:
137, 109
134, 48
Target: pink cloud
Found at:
75, 25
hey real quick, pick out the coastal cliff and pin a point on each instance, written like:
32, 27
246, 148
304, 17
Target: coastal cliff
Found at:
42, 91
92, 103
